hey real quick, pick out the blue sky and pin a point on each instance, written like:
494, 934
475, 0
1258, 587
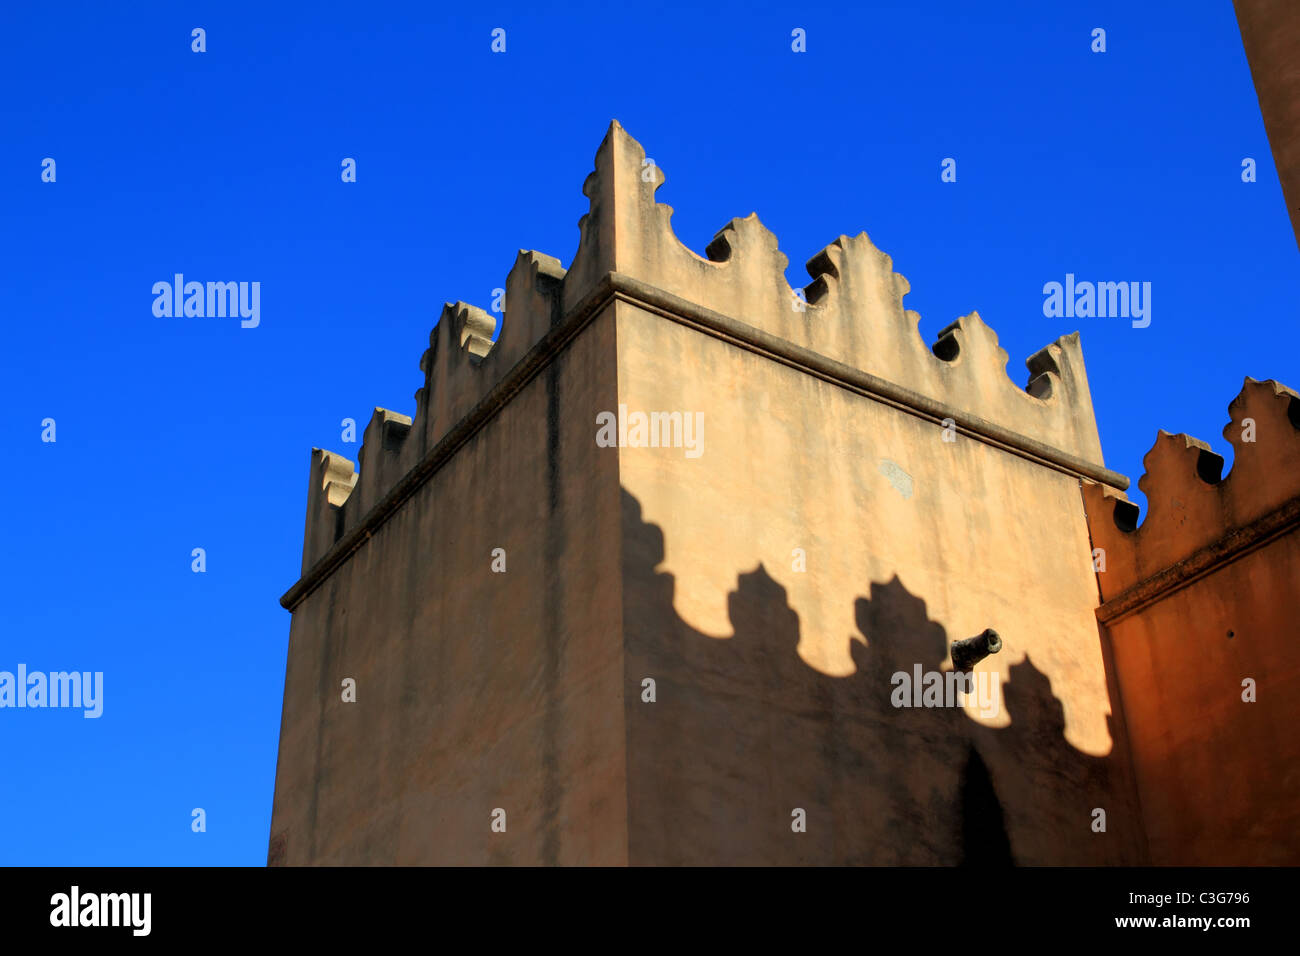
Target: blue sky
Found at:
176, 433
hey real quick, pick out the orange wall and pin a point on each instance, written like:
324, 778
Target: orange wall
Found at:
1219, 778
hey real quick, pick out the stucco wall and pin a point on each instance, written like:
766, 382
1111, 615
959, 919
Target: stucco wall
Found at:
773, 685
1219, 777
475, 690
1216, 555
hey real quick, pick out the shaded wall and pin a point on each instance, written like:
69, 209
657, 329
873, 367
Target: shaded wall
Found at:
773, 685
475, 690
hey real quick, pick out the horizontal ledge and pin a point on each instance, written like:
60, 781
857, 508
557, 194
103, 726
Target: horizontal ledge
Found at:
856, 380
533, 362
614, 285
1235, 544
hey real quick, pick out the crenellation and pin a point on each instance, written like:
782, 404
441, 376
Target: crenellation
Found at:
379, 463
851, 312
1197, 604
1191, 504
452, 383
1046, 366
474, 330
1266, 468
332, 479
534, 294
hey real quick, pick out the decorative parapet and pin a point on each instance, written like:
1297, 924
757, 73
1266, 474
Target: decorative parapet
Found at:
332, 479
379, 462
1197, 518
851, 312
848, 326
462, 363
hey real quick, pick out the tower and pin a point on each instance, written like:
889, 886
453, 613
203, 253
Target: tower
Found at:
670, 573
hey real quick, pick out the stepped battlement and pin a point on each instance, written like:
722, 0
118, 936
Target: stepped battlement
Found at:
1197, 516
847, 326
851, 311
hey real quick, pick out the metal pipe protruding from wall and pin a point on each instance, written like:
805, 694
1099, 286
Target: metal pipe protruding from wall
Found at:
969, 652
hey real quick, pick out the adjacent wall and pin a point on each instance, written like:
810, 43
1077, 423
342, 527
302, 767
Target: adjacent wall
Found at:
1200, 602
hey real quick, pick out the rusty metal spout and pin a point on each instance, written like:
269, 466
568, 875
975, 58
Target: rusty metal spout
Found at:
969, 652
